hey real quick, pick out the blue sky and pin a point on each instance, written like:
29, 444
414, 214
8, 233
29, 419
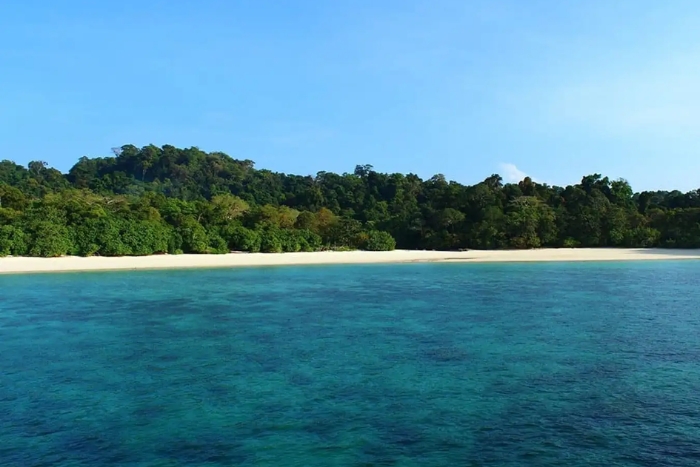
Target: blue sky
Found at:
553, 89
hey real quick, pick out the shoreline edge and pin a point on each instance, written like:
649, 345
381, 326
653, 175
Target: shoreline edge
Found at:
21, 265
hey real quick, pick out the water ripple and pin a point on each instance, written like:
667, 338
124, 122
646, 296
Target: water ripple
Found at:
401, 365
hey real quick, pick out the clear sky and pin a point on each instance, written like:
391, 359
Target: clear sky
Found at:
554, 89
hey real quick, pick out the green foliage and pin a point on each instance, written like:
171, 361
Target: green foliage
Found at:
570, 243
522, 222
154, 200
12, 241
343, 231
194, 236
98, 236
309, 241
145, 237
379, 241
270, 241
217, 245
239, 238
642, 237
49, 239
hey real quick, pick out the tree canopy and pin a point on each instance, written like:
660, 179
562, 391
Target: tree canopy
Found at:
153, 200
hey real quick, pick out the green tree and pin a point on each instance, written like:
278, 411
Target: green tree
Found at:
194, 236
379, 241
49, 239
12, 241
152, 199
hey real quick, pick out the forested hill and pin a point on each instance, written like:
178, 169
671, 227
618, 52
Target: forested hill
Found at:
157, 200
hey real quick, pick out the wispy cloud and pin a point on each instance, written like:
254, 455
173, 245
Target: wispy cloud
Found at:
511, 173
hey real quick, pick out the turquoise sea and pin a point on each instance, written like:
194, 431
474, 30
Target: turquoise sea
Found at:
551, 364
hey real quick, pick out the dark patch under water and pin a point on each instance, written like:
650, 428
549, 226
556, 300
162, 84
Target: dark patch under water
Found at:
393, 365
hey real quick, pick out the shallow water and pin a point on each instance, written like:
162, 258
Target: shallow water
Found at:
403, 365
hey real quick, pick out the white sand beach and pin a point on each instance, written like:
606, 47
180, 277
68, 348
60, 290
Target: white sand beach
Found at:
11, 265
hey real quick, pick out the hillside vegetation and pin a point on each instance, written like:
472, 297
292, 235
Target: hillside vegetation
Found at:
155, 200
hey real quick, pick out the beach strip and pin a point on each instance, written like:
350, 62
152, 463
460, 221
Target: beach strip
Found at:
10, 265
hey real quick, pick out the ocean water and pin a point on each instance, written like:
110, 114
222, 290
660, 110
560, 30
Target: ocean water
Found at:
385, 365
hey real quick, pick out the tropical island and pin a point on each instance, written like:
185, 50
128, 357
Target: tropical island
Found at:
166, 200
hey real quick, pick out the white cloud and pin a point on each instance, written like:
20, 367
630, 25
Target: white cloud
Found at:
511, 173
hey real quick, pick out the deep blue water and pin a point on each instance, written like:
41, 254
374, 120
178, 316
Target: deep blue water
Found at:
394, 365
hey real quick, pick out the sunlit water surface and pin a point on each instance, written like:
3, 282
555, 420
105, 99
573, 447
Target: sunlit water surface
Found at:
392, 365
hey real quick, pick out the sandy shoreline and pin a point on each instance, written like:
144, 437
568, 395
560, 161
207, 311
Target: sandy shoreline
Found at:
12, 265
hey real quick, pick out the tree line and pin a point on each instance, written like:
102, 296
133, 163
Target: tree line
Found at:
155, 200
